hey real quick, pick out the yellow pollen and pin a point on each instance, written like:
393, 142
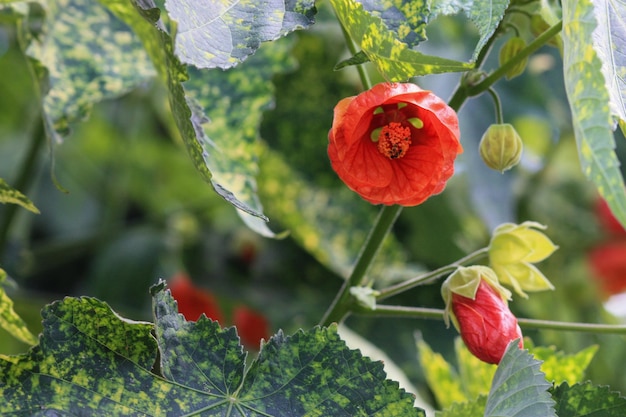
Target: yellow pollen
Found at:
394, 140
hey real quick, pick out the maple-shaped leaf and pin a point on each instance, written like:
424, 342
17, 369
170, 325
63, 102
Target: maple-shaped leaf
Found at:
587, 400
90, 361
222, 34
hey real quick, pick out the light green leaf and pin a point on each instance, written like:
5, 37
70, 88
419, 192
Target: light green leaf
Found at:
317, 220
609, 41
588, 400
223, 34
519, 388
11, 195
107, 62
188, 113
485, 14
475, 375
589, 103
474, 408
90, 361
393, 58
559, 367
9, 320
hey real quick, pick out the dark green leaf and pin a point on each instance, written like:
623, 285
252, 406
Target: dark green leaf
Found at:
474, 408
519, 388
11, 195
188, 113
485, 14
407, 19
90, 361
589, 103
107, 61
359, 58
393, 58
223, 34
588, 400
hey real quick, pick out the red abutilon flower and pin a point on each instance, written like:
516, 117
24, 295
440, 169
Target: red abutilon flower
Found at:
606, 218
251, 326
608, 265
192, 300
478, 307
394, 144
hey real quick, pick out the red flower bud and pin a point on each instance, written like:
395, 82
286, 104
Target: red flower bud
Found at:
251, 326
606, 218
192, 300
486, 324
608, 264
394, 143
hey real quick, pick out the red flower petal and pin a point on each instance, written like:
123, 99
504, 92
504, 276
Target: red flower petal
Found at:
415, 175
486, 324
251, 326
607, 219
608, 264
192, 300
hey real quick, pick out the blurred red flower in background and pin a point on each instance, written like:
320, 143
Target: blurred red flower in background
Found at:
607, 260
193, 301
394, 144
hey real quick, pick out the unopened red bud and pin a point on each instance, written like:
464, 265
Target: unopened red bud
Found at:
486, 324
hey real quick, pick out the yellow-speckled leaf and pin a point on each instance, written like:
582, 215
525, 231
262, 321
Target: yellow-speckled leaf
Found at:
9, 320
589, 103
441, 377
11, 195
609, 41
476, 375
560, 367
90, 361
189, 114
393, 58
221, 34
85, 56
330, 225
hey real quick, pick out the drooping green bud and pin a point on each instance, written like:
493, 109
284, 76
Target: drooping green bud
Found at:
501, 147
511, 48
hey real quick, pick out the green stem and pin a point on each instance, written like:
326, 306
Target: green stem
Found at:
437, 314
342, 303
430, 276
497, 104
22, 182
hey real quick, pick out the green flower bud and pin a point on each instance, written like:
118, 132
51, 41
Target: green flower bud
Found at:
511, 48
501, 147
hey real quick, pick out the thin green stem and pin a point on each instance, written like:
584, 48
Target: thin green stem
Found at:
437, 314
430, 276
497, 104
342, 303
23, 180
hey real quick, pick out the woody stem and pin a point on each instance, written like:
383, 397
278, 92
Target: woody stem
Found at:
437, 314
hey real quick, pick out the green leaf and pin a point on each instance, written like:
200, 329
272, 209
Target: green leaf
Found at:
11, 195
9, 320
317, 220
589, 103
476, 375
223, 34
407, 19
609, 41
108, 61
559, 367
485, 14
587, 400
90, 361
440, 375
519, 388
188, 113
473, 408
392, 57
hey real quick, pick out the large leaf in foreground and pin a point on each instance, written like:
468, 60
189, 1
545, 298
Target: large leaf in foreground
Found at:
222, 34
9, 320
90, 361
588, 400
519, 388
188, 113
589, 103
393, 58
107, 61
609, 41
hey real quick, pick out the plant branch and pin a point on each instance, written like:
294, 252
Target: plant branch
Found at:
430, 276
437, 314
